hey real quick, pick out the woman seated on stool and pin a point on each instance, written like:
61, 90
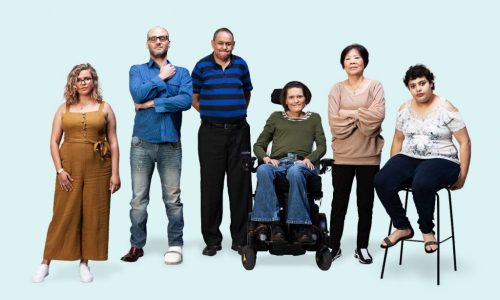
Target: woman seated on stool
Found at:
293, 133
423, 157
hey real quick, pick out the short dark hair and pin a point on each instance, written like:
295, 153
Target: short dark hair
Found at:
294, 84
222, 29
416, 71
362, 51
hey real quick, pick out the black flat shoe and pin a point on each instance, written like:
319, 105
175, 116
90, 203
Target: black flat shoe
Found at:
237, 248
211, 250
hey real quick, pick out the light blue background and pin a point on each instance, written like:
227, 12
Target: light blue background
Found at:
281, 41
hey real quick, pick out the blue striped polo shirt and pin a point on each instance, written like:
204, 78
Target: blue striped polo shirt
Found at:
222, 92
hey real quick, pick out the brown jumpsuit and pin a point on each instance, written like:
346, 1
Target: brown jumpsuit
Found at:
80, 222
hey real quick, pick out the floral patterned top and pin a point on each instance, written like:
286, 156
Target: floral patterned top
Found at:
429, 136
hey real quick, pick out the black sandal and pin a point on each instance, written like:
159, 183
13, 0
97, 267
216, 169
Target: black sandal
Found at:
389, 243
431, 243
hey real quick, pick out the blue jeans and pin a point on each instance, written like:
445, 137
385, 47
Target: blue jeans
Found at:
424, 176
143, 157
266, 206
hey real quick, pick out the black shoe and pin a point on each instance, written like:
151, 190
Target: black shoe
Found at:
237, 248
336, 254
211, 250
363, 255
303, 234
277, 233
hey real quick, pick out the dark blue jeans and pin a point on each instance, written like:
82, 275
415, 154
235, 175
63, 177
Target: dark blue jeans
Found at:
424, 176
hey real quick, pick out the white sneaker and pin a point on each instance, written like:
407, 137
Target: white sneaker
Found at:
85, 275
40, 274
174, 255
363, 256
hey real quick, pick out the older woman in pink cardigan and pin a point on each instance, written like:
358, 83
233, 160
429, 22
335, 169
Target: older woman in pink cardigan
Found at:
356, 109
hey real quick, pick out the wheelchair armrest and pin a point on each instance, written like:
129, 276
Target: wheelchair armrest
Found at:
248, 161
325, 165
314, 187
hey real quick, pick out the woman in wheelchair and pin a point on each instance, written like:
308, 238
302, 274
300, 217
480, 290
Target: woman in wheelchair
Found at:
293, 133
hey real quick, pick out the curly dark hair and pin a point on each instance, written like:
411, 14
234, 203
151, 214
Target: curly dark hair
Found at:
416, 71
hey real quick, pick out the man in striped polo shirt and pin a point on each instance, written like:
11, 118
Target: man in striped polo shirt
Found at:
221, 93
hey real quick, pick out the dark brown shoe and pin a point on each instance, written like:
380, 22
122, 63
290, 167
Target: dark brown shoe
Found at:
133, 254
277, 233
303, 234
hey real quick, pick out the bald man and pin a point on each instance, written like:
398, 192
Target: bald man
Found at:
161, 92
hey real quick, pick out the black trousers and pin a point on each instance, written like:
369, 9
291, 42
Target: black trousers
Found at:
219, 151
342, 178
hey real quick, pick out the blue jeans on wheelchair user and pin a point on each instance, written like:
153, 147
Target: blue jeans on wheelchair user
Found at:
266, 206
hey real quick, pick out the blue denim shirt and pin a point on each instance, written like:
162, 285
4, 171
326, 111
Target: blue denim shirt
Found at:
161, 123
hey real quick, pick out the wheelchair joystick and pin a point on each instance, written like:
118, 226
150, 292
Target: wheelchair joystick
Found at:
248, 161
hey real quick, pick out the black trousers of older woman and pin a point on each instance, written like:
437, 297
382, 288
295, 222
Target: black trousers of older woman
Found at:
424, 176
342, 178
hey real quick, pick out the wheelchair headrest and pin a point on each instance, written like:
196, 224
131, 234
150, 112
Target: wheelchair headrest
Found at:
275, 96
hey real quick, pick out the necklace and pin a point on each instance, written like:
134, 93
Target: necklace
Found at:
355, 87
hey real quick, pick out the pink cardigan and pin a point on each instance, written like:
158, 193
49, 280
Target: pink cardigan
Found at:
355, 120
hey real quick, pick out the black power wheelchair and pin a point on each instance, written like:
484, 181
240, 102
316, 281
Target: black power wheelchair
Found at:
259, 237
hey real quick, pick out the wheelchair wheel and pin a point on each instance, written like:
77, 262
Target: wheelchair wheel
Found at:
249, 257
324, 258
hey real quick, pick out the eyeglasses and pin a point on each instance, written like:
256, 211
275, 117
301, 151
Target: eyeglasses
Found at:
162, 38
82, 80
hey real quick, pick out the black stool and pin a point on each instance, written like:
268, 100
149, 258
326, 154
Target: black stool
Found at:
438, 233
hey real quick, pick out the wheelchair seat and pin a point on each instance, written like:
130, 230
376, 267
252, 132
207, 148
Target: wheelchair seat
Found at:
314, 187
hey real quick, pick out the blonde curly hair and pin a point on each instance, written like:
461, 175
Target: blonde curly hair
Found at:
70, 94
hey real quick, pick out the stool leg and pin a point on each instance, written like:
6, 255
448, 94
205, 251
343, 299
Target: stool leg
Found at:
438, 238
452, 231
385, 253
402, 242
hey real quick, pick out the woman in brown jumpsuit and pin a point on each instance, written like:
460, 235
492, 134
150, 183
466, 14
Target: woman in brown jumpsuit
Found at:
87, 174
